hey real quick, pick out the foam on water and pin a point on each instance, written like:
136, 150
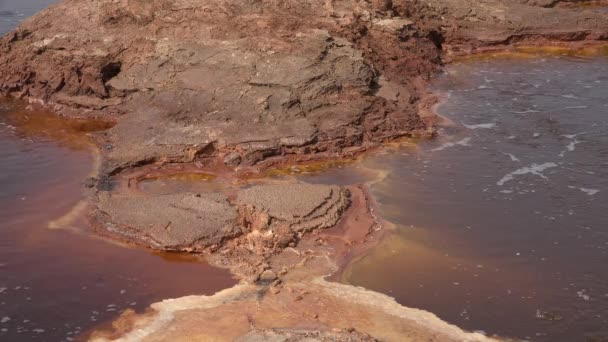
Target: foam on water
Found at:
527, 111
513, 158
588, 191
463, 142
535, 169
540, 228
483, 125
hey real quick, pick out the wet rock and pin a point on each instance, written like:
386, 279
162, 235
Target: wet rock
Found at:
265, 218
468, 25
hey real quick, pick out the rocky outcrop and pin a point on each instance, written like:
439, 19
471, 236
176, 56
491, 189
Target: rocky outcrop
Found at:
242, 81
468, 26
294, 302
182, 221
263, 220
241, 85
300, 208
248, 82
228, 84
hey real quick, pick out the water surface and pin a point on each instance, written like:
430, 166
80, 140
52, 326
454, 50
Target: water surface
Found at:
503, 220
12, 12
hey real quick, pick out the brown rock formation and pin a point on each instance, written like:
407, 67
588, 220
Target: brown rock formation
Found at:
240, 86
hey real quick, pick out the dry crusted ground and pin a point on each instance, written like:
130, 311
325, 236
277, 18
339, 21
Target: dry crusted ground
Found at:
235, 87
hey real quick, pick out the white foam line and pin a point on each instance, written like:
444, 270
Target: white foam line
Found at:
572, 136
513, 158
572, 145
534, 169
484, 126
527, 111
588, 191
571, 96
463, 142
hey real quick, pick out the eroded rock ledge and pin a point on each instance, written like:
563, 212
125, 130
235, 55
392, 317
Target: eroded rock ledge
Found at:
261, 221
248, 82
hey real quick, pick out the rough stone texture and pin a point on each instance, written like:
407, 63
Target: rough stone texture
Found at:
469, 24
247, 81
214, 78
285, 335
302, 207
264, 219
175, 222
553, 3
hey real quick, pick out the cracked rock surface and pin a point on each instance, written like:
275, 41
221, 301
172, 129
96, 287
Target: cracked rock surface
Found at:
263, 219
180, 221
246, 82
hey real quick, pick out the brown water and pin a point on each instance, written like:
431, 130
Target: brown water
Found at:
57, 283
502, 222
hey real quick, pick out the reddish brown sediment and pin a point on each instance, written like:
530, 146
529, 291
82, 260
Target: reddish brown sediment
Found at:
290, 299
229, 91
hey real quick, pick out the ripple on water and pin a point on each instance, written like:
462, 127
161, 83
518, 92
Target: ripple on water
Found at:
503, 222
